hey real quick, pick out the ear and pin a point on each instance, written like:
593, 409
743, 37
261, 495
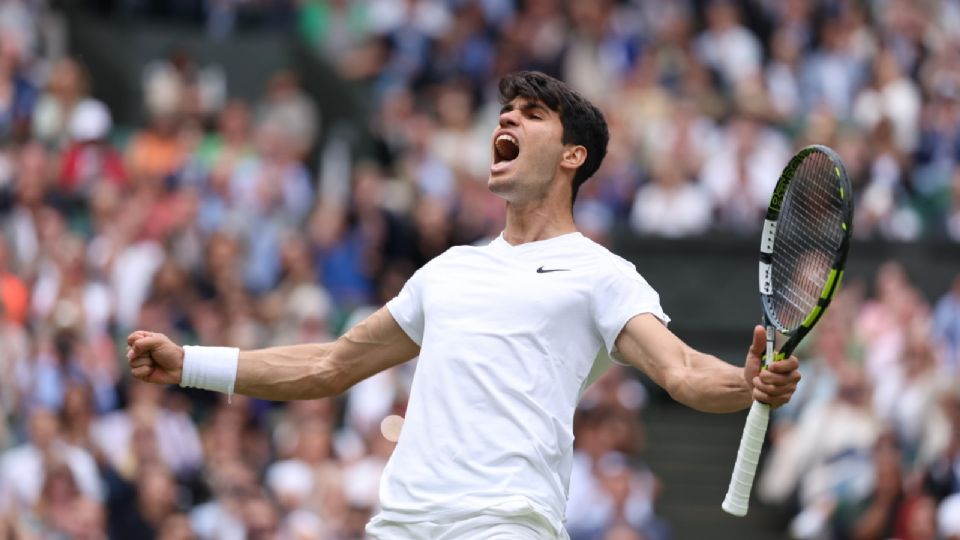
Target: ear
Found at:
574, 156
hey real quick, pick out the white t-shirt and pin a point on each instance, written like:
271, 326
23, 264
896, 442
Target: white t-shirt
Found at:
508, 335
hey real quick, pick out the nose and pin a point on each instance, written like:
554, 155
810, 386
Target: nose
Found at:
509, 118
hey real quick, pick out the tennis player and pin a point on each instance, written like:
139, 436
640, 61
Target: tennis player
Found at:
506, 335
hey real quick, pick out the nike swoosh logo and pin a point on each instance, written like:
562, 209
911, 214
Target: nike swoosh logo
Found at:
541, 270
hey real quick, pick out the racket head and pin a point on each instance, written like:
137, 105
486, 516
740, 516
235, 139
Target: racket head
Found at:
805, 240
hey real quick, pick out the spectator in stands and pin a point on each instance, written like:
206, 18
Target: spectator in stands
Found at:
133, 437
605, 434
77, 417
214, 226
23, 469
466, 50
67, 88
601, 204
64, 360
726, 46
18, 95
89, 158
14, 294
155, 151
457, 141
64, 511
835, 72
13, 362
938, 145
946, 327
782, 75
311, 479
821, 368
741, 172
140, 513
407, 30
232, 140
874, 514
629, 491
893, 97
942, 474
23, 223
600, 49
273, 191
827, 454
914, 389
539, 31
232, 484
334, 27
288, 107
953, 215
879, 321
670, 205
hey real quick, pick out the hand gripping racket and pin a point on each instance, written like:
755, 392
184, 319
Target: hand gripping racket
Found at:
803, 249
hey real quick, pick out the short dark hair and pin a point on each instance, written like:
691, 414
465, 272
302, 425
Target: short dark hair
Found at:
583, 123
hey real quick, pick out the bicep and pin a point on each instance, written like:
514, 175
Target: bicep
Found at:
376, 344
317, 370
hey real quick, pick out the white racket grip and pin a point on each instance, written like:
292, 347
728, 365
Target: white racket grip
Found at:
737, 500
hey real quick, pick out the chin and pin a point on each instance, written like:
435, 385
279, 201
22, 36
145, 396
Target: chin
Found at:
503, 186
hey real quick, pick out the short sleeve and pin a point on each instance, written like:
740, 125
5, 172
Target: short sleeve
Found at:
407, 307
619, 295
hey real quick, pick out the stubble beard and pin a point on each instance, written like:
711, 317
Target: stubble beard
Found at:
518, 194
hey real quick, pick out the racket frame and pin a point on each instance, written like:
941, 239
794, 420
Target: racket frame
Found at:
737, 498
768, 240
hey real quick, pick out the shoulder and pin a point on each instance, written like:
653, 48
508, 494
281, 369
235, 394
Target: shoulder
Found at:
606, 262
456, 254
444, 261
611, 274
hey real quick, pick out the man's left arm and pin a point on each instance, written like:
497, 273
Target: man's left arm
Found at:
702, 381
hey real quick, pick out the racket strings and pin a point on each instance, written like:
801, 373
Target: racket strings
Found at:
808, 236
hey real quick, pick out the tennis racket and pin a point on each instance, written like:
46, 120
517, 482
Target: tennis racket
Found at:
803, 249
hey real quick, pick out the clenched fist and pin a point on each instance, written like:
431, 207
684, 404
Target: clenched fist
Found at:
776, 384
154, 358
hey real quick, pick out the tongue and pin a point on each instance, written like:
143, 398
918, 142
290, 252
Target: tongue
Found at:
507, 150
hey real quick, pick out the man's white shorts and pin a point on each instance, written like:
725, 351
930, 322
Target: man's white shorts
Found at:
530, 526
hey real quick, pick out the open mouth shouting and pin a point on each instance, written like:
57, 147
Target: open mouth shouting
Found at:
506, 148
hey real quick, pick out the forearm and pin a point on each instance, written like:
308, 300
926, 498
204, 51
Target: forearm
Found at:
709, 384
279, 373
289, 372
698, 380
320, 370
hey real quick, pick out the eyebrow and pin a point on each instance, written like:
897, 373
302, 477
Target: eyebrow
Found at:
527, 106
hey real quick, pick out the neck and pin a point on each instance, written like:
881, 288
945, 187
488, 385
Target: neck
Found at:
537, 221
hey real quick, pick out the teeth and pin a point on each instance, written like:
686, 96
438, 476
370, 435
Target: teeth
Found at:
507, 147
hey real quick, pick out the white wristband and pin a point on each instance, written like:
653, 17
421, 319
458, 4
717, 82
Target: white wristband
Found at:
210, 368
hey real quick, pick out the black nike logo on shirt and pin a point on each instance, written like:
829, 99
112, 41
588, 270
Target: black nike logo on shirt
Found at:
542, 270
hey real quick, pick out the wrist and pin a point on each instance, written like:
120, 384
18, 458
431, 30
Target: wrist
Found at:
209, 368
182, 359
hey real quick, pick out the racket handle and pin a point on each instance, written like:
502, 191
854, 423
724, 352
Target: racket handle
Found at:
748, 456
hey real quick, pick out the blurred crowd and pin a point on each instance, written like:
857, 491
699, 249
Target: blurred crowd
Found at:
219, 220
870, 445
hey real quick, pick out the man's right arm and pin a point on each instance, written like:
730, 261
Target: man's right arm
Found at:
308, 371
